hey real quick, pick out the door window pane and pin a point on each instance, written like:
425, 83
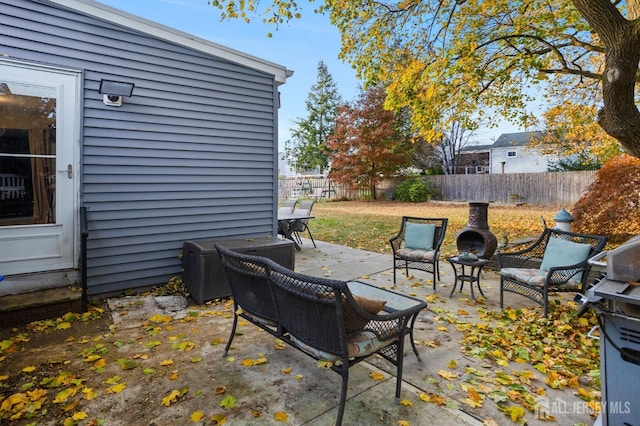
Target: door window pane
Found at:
27, 154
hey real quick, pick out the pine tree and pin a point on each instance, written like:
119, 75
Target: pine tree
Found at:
308, 143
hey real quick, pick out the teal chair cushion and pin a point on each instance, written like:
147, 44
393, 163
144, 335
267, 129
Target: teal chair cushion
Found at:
561, 252
536, 277
419, 236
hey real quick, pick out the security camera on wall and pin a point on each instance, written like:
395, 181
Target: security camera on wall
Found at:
112, 100
113, 91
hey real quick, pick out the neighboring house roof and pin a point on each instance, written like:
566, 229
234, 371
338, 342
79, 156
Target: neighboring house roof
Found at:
107, 13
476, 148
516, 139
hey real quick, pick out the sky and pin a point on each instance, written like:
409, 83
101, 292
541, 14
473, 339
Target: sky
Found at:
299, 46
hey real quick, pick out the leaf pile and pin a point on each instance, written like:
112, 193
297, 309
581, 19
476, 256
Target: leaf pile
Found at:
611, 206
522, 356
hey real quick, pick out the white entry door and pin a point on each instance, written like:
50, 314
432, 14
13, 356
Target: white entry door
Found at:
39, 162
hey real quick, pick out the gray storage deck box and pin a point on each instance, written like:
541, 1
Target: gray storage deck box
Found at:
203, 273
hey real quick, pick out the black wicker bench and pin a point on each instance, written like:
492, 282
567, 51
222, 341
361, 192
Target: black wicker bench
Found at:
336, 321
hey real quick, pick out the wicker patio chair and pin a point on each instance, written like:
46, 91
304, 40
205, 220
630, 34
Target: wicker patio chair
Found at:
556, 262
417, 245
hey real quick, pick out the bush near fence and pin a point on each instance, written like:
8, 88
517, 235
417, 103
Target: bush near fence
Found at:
538, 189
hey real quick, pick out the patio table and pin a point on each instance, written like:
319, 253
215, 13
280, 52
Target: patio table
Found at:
462, 276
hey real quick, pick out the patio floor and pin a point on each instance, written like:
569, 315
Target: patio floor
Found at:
266, 380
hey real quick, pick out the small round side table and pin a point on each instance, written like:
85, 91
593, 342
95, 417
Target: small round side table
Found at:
473, 275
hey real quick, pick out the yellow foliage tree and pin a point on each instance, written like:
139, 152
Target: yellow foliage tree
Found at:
572, 131
466, 60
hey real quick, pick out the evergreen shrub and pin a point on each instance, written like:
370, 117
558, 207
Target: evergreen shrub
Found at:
414, 189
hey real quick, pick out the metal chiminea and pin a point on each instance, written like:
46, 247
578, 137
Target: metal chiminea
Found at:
476, 237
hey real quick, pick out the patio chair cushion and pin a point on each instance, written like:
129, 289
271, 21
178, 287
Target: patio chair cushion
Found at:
417, 254
260, 320
535, 277
419, 236
561, 252
354, 321
359, 344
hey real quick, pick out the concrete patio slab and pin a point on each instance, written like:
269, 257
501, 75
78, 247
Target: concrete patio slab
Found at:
286, 380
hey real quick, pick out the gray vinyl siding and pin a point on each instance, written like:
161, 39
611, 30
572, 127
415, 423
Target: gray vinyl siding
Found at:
191, 155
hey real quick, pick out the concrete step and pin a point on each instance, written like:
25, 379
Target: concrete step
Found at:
17, 309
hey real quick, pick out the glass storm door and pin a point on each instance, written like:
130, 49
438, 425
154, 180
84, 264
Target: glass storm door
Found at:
39, 117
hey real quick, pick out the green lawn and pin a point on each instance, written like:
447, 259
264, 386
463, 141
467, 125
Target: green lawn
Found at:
368, 225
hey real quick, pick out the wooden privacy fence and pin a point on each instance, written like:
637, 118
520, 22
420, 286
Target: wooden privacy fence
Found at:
539, 189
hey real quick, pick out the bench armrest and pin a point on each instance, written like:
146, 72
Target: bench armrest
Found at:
396, 314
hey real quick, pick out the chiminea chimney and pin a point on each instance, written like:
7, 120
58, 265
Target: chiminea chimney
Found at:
476, 237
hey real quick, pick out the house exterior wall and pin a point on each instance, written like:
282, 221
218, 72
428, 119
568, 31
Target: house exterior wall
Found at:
191, 155
473, 163
526, 160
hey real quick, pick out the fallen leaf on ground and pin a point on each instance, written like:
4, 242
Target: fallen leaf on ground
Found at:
376, 376
171, 397
448, 375
117, 388
159, 318
281, 416
196, 416
218, 419
228, 402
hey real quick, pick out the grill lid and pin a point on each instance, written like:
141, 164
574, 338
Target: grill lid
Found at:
622, 263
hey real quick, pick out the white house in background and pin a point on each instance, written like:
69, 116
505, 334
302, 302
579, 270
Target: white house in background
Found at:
511, 154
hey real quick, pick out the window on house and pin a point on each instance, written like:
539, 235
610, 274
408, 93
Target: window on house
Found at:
512, 153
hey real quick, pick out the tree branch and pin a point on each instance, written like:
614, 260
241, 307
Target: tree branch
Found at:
571, 71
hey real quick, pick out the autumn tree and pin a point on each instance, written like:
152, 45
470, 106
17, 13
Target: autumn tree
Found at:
573, 134
464, 60
307, 143
369, 143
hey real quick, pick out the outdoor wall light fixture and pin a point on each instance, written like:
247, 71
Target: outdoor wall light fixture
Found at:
113, 91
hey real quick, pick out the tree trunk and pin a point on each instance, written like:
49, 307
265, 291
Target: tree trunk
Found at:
619, 117
633, 6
